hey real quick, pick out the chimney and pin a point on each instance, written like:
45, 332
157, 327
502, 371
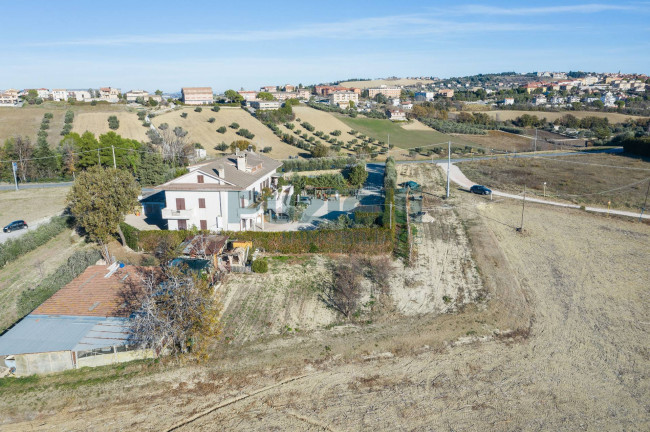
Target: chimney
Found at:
221, 171
241, 162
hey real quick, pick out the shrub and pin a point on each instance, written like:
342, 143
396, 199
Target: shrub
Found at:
12, 249
141, 115
48, 115
184, 115
308, 126
260, 266
245, 133
222, 130
221, 147
198, 109
216, 108
211, 120
76, 264
234, 125
130, 235
113, 122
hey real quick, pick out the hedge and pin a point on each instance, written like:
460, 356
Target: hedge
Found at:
13, 249
130, 235
370, 241
76, 264
260, 266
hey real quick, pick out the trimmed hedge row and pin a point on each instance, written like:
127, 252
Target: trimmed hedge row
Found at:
76, 264
13, 249
369, 241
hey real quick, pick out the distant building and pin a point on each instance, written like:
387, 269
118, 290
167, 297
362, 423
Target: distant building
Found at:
424, 96
197, 95
396, 114
609, 100
557, 100
289, 88
539, 100
389, 92
343, 98
132, 95
80, 95
59, 95
264, 105
325, 90
305, 94
43, 93
269, 89
109, 94
248, 95
9, 97
509, 101
407, 105
448, 93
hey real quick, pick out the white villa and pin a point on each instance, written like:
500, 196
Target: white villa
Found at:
221, 195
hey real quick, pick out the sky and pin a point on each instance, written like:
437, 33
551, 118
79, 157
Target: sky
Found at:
246, 44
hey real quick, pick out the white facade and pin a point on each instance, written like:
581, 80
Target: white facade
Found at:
343, 98
59, 95
132, 95
220, 196
43, 93
262, 104
82, 95
509, 101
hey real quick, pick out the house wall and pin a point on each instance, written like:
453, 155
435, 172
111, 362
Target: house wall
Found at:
116, 357
43, 363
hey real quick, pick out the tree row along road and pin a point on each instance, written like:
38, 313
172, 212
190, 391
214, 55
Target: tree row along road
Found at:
457, 176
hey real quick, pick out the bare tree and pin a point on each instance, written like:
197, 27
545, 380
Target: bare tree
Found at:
345, 290
176, 311
24, 151
175, 144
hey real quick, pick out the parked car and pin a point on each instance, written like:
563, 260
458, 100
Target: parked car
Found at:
15, 225
479, 189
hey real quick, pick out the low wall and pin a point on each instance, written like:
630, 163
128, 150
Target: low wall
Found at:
118, 357
43, 363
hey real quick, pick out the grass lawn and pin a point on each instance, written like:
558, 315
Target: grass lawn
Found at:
400, 137
586, 179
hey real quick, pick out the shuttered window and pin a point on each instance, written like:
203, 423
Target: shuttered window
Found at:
201, 202
199, 178
204, 225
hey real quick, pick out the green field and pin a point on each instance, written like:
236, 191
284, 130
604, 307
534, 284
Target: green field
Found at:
400, 137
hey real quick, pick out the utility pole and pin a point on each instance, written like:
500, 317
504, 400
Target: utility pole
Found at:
114, 164
388, 141
448, 164
523, 207
644, 202
535, 151
390, 215
14, 166
99, 159
544, 189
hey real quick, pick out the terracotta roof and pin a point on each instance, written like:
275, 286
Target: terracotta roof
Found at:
92, 294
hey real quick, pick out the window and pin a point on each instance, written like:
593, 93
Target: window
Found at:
201, 202
182, 224
199, 178
204, 224
180, 203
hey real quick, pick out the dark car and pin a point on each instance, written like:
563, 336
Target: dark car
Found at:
481, 190
15, 225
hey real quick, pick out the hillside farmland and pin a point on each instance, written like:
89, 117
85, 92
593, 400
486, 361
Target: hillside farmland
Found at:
97, 123
504, 115
201, 131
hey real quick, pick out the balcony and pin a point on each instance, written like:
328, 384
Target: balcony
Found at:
168, 213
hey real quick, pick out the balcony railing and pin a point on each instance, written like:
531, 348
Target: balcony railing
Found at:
168, 213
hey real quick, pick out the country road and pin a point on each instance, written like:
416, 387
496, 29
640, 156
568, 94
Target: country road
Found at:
31, 226
457, 176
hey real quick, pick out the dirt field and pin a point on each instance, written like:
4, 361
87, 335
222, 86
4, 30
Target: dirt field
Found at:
503, 115
377, 83
97, 123
31, 204
501, 141
571, 290
582, 179
205, 133
28, 271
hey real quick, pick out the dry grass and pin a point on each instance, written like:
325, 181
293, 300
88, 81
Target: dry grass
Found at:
31, 205
503, 115
97, 123
581, 365
572, 180
206, 133
30, 269
393, 82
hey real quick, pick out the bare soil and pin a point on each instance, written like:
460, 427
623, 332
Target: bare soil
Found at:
503, 115
560, 344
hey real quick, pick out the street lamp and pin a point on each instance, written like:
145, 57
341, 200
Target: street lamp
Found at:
544, 189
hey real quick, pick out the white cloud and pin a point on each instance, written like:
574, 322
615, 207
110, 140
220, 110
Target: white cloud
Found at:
579, 8
392, 27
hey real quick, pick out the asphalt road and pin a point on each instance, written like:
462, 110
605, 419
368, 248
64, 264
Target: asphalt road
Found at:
35, 185
15, 234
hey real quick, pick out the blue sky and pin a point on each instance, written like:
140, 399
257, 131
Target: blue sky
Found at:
233, 44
